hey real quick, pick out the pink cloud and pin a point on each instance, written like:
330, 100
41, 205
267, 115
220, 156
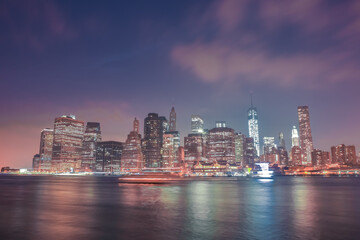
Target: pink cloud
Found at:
240, 55
230, 12
311, 15
216, 63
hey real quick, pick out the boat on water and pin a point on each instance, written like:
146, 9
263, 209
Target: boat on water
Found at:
264, 173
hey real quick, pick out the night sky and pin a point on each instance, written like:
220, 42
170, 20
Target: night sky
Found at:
111, 61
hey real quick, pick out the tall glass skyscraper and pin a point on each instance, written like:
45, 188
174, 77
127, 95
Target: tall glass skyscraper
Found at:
154, 130
67, 145
108, 156
92, 135
253, 123
46, 146
132, 158
294, 137
220, 145
306, 142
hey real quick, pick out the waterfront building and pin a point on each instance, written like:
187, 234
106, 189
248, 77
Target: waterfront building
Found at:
239, 148
194, 148
343, 154
350, 154
214, 168
36, 163
306, 142
220, 145
197, 124
154, 129
338, 154
92, 136
46, 147
316, 157
67, 145
171, 144
132, 157
295, 137
325, 158
108, 156
168, 151
253, 124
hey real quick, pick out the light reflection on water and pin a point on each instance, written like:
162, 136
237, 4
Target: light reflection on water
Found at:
265, 180
102, 208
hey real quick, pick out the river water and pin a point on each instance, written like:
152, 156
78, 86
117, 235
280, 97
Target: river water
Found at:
51, 207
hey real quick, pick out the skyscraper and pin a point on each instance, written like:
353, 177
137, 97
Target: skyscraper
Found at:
253, 124
325, 158
350, 154
269, 144
168, 153
46, 147
343, 154
67, 145
108, 156
36, 163
171, 142
316, 157
249, 152
197, 124
194, 148
281, 140
132, 158
295, 137
154, 129
220, 145
283, 156
172, 119
306, 142
92, 136
239, 148
296, 156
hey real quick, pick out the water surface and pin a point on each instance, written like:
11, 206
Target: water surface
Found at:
51, 207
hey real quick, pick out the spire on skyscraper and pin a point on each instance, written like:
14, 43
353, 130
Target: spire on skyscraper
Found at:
136, 125
172, 119
251, 99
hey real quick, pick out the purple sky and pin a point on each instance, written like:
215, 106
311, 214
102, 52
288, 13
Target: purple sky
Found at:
115, 60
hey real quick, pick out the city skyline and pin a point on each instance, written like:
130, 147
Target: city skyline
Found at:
217, 124
75, 148
117, 61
